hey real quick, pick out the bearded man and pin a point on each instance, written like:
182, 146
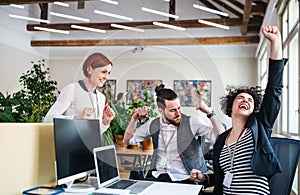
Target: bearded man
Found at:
177, 138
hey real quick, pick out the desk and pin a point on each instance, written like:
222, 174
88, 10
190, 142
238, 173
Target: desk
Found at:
159, 188
141, 159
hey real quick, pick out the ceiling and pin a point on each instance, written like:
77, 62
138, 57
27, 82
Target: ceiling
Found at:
245, 19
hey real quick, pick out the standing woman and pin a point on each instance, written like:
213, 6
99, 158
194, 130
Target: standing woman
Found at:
82, 100
244, 160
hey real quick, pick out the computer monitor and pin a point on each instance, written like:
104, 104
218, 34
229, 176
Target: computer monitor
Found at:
74, 142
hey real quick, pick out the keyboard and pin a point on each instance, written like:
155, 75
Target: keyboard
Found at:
122, 184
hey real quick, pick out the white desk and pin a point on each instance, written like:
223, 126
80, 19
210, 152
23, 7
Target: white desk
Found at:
159, 188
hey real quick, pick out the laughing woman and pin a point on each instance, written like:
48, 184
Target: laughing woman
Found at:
244, 160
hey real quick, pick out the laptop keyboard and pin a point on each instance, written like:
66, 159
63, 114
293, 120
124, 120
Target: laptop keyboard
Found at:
122, 184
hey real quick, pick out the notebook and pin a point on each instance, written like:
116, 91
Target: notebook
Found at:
108, 174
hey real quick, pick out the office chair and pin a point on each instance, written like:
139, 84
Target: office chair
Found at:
287, 151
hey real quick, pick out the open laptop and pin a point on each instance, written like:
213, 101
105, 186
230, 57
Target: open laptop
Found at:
108, 175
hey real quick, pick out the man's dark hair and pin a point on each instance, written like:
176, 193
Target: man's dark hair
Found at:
163, 94
232, 91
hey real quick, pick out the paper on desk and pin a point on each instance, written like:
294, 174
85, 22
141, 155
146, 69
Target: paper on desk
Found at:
113, 191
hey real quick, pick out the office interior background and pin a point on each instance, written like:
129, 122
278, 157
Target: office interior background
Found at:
223, 64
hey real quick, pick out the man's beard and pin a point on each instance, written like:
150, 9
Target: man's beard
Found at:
172, 121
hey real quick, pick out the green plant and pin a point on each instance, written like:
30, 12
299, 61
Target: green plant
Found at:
32, 102
123, 116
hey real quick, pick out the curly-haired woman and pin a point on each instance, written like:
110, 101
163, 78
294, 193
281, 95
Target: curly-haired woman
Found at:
244, 160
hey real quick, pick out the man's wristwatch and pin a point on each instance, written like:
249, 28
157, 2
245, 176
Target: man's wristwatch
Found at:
211, 114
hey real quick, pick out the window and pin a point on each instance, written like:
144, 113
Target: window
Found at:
290, 98
288, 123
293, 98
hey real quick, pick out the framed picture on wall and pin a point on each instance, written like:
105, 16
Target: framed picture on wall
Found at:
140, 90
109, 90
189, 91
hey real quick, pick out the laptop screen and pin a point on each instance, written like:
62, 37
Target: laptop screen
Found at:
106, 164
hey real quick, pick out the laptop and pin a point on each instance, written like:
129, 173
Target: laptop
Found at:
108, 174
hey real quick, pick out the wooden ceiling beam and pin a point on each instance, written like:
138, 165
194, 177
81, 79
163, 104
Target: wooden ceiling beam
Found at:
237, 4
148, 42
211, 6
258, 10
44, 11
229, 8
80, 4
172, 9
246, 16
7, 2
145, 25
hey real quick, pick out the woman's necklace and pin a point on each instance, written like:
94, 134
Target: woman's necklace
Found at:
228, 174
96, 108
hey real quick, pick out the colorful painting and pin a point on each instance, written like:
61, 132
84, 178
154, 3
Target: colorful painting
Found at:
189, 91
141, 90
109, 90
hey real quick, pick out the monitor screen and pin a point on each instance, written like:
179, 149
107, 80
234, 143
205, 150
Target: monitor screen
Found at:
74, 142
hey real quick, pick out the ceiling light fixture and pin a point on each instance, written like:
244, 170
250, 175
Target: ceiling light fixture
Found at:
69, 17
127, 27
210, 10
110, 1
61, 4
169, 26
113, 15
167, 0
28, 18
51, 30
87, 28
159, 13
17, 6
213, 24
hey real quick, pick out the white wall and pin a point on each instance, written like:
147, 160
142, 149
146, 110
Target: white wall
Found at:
230, 64
169, 64
15, 50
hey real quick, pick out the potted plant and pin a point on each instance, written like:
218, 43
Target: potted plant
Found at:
123, 116
32, 102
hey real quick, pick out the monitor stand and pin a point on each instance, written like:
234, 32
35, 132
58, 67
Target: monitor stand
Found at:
80, 188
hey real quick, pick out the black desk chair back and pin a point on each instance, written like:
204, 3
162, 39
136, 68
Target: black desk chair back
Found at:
287, 151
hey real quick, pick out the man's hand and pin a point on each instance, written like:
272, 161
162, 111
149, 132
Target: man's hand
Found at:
196, 176
203, 107
130, 130
140, 114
